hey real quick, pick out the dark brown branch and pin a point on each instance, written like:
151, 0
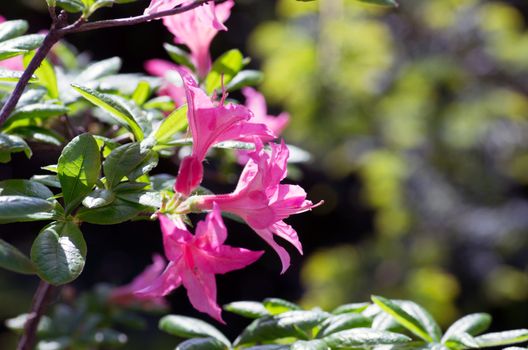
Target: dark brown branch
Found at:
134, 20
40, 301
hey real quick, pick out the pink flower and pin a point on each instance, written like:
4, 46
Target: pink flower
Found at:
257, 104
262, 201
196, 259
197, 28
13, 63
125, 296
168, 71
162, 5
210, 123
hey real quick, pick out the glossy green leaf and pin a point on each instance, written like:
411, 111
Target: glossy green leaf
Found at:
98, 198
59, 253
16, 187
364, 337
72, 6
176, 122
288, 324
224, 69
23, 208
179, 56
14, 260
202, 344
99, 69
187, 327
115, 213
162, 103
502, 338
249, 309
473, 324
122, 161
20, 45
78, 169
39, 134
245, 78
342, 322
13, 76
113, 106
142, 93
418, 321
353, 307
277, 306
45, 74
33, 111
12, 29
391, 3
12, 144
310, 345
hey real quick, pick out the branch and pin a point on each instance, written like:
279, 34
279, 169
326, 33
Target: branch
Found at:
40, 300
135, 20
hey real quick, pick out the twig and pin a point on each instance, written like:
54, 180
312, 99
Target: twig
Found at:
59, 29
120, 22
40, 300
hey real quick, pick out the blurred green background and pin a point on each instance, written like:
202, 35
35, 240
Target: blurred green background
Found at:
417, 119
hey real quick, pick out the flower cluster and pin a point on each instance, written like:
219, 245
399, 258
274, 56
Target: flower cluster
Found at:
259, 198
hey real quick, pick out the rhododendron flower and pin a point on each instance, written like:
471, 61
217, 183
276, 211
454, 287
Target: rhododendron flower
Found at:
168, 71
257, 104
162, 5
262, 201
13, 63
210, 123
125, 295
196, 28
196, 259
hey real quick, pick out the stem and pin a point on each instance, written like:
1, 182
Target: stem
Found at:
51, 38
120, 22
40, 299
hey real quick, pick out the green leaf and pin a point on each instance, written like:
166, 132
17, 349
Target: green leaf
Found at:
39, 134
14, 260
472, 324
114, 213
122, 161
187, 327
98, 198
72, 6
461, 341
179, 56
277, 306
21, 45
353, 307
12, 29
417, 320
502, 338
288, 324
174, 123
142, 93
391, 3
227, 66
22, 209
342, 322
249, 309
364, 337
113, 106
99, 69
162, 103
245, 78
310, 345
45, 74
78, 168
59, 253
13, 76
269, 347
202, 344
17, 324
12, 144
15, 187
33, 111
